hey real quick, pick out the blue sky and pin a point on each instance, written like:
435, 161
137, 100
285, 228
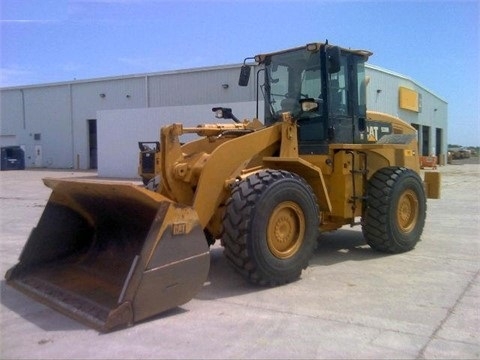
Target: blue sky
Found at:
436, 43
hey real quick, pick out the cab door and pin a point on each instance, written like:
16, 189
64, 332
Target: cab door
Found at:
340, 104
312, 124
347, 101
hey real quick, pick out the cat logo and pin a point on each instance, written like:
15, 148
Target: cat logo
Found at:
179, 228
376, 129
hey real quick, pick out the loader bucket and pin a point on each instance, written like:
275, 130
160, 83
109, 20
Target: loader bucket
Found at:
109, 254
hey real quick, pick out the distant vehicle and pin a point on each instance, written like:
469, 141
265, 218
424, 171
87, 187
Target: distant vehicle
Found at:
460, 153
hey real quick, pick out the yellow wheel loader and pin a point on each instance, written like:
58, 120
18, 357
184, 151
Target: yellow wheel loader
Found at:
111, 254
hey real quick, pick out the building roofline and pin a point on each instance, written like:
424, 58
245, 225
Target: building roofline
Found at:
186, 71
404, 77
121, 77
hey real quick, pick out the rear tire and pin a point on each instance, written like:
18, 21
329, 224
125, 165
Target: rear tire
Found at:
271, 226
396, 210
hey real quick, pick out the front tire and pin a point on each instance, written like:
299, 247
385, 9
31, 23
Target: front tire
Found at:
271, 226
396, 210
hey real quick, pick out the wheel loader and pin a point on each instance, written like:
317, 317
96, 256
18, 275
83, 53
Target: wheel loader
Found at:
111, 254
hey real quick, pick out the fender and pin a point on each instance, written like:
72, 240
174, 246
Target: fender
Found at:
311, 173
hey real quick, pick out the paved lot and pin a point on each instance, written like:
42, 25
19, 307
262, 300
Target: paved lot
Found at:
350, 303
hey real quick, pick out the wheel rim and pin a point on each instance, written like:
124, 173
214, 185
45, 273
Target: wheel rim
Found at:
407, 211
286, 229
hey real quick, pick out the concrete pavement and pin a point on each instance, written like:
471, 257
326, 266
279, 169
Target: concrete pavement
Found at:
350, 303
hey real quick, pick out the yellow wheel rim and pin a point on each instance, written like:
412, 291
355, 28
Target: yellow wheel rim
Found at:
407, 211
286, 229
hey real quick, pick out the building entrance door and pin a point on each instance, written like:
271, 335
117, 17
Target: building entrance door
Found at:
92, 142
38, 156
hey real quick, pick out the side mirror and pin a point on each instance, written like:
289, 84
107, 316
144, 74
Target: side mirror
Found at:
333, 59
244, 75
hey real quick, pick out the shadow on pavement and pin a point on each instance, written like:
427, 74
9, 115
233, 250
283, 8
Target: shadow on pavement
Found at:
333, 247
223, 281
343, 245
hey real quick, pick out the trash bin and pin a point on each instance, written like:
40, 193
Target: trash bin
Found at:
12, 158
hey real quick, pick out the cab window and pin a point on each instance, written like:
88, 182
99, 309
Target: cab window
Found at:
338, 90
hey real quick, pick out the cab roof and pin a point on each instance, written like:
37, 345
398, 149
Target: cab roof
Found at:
314, 47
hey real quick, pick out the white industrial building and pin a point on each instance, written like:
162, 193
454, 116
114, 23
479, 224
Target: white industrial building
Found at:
97, 123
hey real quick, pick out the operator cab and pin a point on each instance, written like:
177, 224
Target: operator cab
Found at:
322, 86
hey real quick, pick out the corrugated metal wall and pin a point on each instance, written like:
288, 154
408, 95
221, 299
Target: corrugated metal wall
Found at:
430, 120
11, 112
39, 119
49, 125
55, 117
90, 97
198, 87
